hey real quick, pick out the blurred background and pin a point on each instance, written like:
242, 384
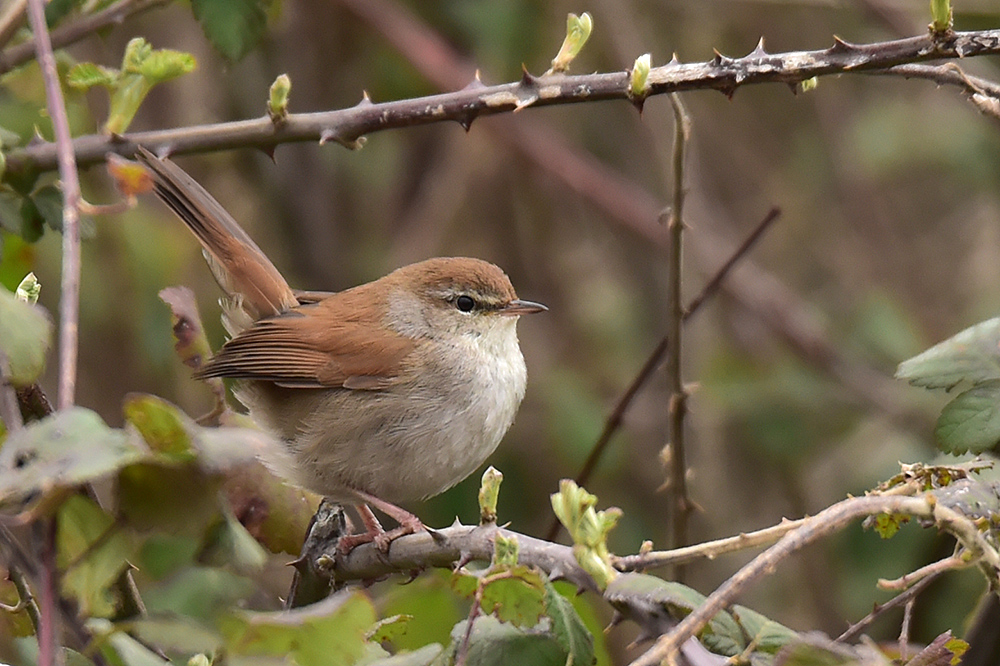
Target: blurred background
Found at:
888, 243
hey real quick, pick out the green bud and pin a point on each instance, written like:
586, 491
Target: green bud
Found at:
277, 102
505, 550
578, 29
809, 84
199, 659
489, 493
639, 86
29, 289
941, 15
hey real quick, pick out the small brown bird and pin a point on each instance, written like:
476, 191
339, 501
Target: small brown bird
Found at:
391, 391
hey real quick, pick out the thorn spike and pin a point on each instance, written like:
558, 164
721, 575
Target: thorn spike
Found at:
674, 60
759, 50
527, 78
327, 135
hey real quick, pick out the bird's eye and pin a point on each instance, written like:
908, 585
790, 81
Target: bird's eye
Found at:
465, 303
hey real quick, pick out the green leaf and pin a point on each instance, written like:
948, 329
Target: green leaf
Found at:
388, 629
568, 628
769, 636
57, 9
178, 500
423, 656
91, 553
126, 98
66, 449
176, 634
120, 649
10, 212
49, 202
328, 633
25, 337
32, 222
233, 27
86, 75
161, 426
515, 594
630, 592
230, 544
941, 15
165, 64
972, 355
971, 422
199, 593
494, 643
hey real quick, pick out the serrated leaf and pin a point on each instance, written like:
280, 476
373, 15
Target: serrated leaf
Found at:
86, 75
328, 633
233, 27
972, 355
494, 643
568, 628
888, 524
165, 64
515, 594
92, 554
66, 449
25, 337
126, 97
161, 426
971, 422
388, 628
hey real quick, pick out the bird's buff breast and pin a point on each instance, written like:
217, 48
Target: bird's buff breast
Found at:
413, 440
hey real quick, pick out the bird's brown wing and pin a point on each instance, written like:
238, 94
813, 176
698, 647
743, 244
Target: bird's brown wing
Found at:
326, 344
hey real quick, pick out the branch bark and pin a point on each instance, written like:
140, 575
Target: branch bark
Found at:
475, 100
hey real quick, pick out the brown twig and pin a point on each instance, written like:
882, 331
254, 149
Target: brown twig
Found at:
983, 93
880, 609
617, 415
673, 454
708, 549
83, 27
826, 522
346, 125
49, 653
69, 298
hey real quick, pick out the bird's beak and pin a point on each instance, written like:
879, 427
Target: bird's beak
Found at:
518, 307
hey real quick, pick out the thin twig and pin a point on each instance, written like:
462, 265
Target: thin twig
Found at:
880, 609
953, 563
707, 550
617, 415
826, 522
673, 453
715, 282
27, 600
69, 298
80, 28
904, 630
985, 94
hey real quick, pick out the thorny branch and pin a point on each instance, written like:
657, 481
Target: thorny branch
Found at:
475, 100
822, 524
